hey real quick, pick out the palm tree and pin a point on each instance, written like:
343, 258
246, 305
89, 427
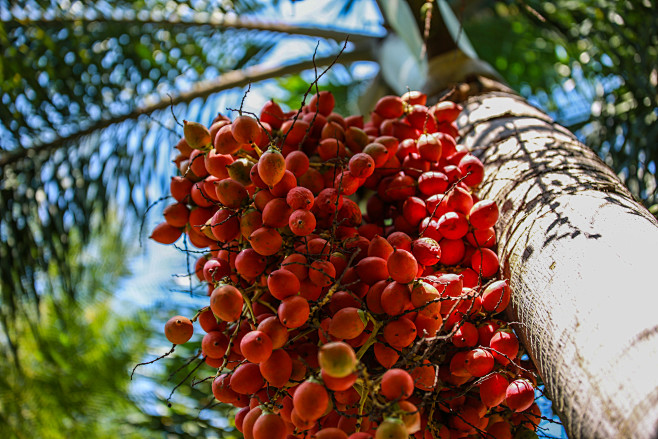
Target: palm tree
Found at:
88, 90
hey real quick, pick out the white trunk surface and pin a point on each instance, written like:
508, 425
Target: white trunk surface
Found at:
582, 258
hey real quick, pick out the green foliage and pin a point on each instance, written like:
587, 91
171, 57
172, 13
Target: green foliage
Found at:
70, 361
592, 64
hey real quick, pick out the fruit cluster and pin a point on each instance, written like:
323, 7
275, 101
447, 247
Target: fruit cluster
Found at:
328, 322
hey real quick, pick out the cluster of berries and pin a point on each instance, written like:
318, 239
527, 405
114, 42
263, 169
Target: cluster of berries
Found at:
331, 321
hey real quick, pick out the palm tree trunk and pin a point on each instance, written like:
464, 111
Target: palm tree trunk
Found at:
580, 255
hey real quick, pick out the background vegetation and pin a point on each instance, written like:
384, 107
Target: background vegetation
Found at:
82, 156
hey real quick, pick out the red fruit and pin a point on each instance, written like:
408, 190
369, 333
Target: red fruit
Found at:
225, 143
310, 400
385, 355
214, 344
395, 298
297, 163
426, 251
249, 264
300, 198
256, 346
496, 296
446, 111
389, 107
402, 266
287, 182
276, 213
400, 333
372, 269
176, 215
245, 129
271, 167
294, 131
479, 362
520, 395
166, 234
272, 114
275, 330
414, 210
328, 201
222, 391
293, 311
414, 98
266, 241
225, 225
247, 379
302, 222
397, 384
380, 247
322, 273
482, 237
484, 261
452, 251
362, 165
297, 264
347, 323
178, 329
465, 336
424, 377
337, 359
333, 432
208, 321
400, 240
322, 102
249, 421
216, 269
197, 163
270, 426
231, 193
429, 148
199, 196
216, 164
277, 369
453, 225
282, 283
427, 298
505, 346
338, 384
261, 198
226, 303
180, 188
493, 389
472, 166
484, 214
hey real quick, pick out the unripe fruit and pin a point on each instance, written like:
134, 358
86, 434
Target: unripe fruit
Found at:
337, 359
196, 135
391, 428
178, 329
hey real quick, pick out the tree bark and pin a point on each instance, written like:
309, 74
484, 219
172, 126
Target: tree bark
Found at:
580, 256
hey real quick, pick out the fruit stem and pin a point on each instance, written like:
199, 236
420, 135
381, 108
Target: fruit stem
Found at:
373, 336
